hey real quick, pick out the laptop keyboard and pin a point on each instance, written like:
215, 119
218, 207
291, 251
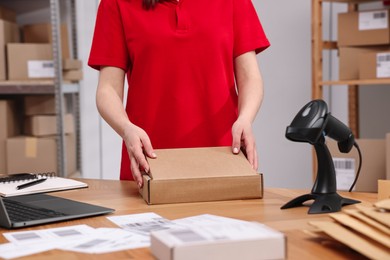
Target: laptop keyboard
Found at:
18, 212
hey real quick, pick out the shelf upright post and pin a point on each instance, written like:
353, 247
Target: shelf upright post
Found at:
353, 95
317, 45
316, 27
58, 91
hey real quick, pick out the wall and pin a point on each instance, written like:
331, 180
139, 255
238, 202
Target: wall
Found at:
286, 70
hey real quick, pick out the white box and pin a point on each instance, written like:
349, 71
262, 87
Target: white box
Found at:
228, 241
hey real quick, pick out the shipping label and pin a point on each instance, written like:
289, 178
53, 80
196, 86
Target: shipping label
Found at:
383, 65
40, 68
373, 20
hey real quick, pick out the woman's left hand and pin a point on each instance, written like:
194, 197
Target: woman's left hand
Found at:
243, 138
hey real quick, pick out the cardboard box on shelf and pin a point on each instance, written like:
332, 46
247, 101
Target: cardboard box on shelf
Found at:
9, 127
40, 105
9, 32
29, 61
200, 174
42, 33
71, 64
39, 154
7, 14
72, 75
373, 164
44, 125
374, 65
349, 60
388, 156
364, 28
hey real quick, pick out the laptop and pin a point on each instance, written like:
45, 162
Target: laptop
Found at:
36, 209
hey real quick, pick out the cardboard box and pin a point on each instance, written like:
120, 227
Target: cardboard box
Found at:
387, 156
374, 65
373, 165
38, 154
349, 60
44, 125
42, 33
9, 32
71, 64
7, 14
40, 105
200, 174
28, 61
72, 75
228, 241
383, 189
364, 28
9, 127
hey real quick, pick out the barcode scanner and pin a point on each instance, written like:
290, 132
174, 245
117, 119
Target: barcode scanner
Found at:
312, 124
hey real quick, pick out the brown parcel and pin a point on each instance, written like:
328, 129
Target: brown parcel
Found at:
9, 32
45, 125
41, 105
39, 154
200, 174
350, 35
20, 53
368, 65
349, 60
41, 33
373, 166
9, 127
7, 14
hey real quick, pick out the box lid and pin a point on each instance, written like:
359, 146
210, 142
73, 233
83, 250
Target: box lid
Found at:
184, 163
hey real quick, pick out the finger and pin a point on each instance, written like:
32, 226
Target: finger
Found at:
148, 148
250, 155
136, 172
236, 144
256, 160
141, 160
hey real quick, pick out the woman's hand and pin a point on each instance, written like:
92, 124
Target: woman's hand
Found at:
138, 145
243, 138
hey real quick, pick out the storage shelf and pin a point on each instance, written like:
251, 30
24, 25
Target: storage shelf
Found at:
359, 82
35, 87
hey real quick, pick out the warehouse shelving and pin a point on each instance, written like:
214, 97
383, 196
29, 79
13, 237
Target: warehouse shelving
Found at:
63, 91
319, 45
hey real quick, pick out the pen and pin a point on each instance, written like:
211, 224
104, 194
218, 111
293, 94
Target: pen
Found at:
28, 184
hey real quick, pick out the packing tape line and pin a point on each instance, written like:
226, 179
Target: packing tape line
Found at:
31, 147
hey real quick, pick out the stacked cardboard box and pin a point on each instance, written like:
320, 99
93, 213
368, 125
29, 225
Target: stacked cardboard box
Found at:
9, 32
35, 45
36, 150
375, 168
364, 39
9, 127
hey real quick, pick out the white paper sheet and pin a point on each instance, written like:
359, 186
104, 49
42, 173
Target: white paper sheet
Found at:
142, 223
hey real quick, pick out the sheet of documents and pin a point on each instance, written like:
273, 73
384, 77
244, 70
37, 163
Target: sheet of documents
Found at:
142, 223
106, 240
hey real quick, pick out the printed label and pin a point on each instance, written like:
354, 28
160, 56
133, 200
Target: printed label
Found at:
40, 69
373, 20
345, 172
383, 65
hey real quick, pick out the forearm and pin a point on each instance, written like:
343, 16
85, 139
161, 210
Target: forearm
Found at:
109, 99
249, 86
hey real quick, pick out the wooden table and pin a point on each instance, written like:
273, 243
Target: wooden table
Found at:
124, 198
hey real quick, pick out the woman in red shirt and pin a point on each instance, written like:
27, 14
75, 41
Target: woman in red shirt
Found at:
193, 79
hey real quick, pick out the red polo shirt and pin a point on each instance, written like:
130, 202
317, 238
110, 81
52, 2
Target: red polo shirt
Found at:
179, 63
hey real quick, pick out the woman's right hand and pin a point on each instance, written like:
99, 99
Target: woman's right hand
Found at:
138, 145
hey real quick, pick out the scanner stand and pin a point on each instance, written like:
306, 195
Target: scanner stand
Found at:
324, 194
